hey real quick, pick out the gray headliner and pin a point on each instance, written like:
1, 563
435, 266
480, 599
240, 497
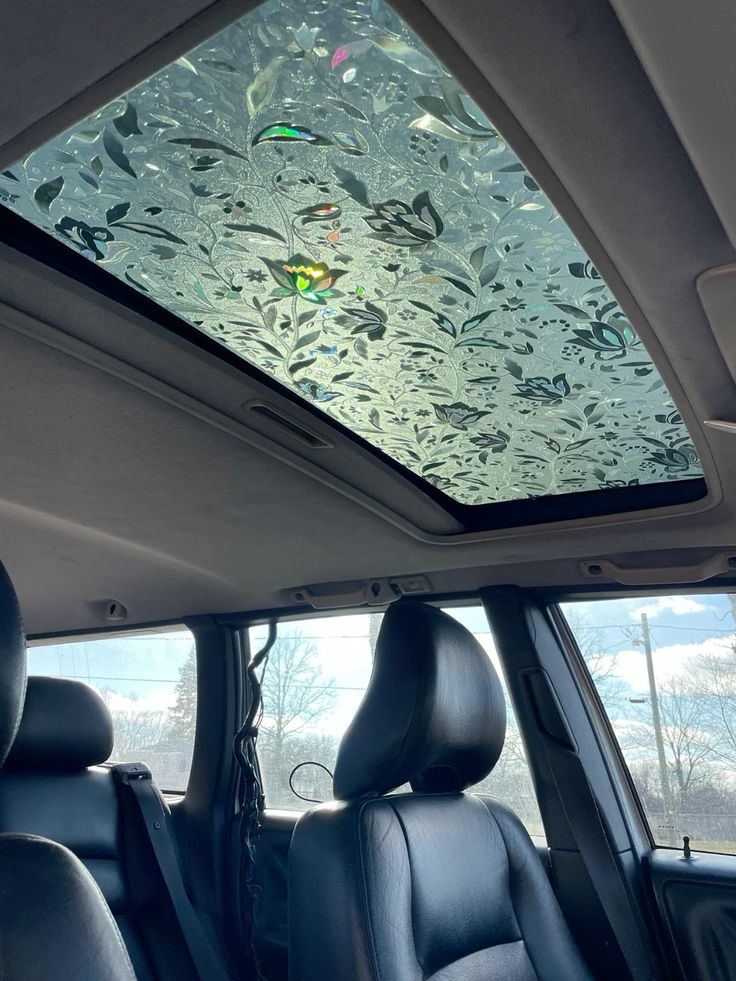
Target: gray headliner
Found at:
155, 493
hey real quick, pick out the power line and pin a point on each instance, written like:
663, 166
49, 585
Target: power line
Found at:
331, 687
107, 677
657, 626
102, 677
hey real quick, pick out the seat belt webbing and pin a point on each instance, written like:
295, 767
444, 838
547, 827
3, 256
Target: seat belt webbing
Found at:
591, 837
155, 815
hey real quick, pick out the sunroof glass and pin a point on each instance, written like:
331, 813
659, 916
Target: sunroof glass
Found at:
315, 191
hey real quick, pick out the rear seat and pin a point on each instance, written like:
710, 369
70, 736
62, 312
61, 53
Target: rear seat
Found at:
52, 785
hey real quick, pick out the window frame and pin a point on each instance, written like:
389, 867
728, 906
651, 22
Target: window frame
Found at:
591, 697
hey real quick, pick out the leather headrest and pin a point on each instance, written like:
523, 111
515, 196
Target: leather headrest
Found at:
65, 727
12, 664
433, 714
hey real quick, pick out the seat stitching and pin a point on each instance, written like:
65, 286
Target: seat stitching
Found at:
411, 885
364, 890
494, 820
480, 950
476, 950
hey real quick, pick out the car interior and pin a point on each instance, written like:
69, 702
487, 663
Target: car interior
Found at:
367, 594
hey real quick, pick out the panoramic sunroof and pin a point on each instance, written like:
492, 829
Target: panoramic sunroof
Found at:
314, 191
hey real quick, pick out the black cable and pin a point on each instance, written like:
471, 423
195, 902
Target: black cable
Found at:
251, 793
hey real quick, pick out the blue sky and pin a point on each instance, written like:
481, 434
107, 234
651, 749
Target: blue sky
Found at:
143, 669
681, 627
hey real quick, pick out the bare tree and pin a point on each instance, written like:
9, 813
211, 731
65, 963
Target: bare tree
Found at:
295, 695
510, 781
713, 677
600, 660
137, 731
687, 740
311, 747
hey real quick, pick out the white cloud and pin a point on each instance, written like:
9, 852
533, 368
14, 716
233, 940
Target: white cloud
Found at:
156, 701
631, 727
668, 660
679, 605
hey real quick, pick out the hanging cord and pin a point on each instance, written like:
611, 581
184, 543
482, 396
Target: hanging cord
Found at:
251, 793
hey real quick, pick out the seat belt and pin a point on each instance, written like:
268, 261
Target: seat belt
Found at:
156, 815
586, 823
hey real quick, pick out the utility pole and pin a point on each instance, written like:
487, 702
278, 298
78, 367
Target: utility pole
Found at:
663, 774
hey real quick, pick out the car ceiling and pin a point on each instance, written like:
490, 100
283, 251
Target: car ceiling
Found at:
130, 469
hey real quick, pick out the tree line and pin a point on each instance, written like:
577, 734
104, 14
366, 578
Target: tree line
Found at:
697, 726
694, 791
297, 696
162, 739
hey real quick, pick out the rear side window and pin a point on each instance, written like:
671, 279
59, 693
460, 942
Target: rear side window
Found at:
665, 669
149, 683
316, 676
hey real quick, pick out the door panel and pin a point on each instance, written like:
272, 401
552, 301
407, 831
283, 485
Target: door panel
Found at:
696, 898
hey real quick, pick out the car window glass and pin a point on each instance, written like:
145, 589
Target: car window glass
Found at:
665, 670
149, 683
316, 676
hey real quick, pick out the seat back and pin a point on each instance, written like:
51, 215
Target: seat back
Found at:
54, 786
437, 883
54, 924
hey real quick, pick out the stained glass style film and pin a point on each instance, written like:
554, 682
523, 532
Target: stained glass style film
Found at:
314, 191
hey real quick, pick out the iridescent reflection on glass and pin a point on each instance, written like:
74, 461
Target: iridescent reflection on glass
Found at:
312, 189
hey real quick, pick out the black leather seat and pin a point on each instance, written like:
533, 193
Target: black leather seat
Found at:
52, 785
436, 883
54, 923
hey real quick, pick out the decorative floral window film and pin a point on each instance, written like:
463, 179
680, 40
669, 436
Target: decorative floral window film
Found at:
315, 191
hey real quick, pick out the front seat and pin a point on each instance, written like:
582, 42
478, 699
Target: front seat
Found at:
54, 923
432, 884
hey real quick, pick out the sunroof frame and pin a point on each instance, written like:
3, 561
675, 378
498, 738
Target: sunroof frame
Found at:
24, 237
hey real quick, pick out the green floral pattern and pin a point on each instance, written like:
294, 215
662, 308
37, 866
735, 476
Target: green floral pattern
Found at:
312, 189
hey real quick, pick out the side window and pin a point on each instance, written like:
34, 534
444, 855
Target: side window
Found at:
316, 676
149, 682
665, 669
